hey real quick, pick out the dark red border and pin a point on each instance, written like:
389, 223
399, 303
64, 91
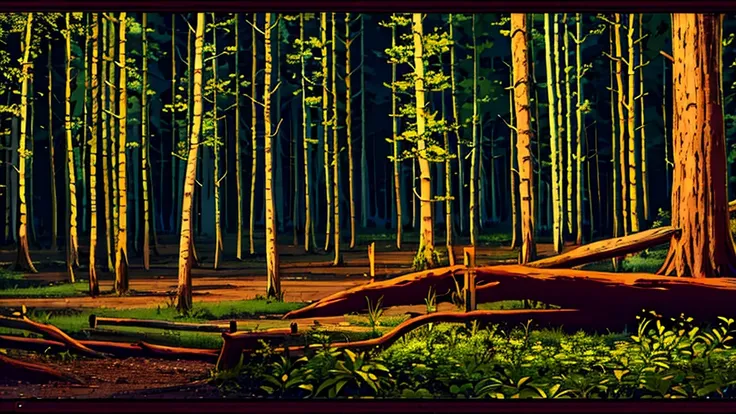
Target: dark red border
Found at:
363, 406
374, 6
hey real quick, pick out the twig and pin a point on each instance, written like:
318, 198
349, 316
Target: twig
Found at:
667, 55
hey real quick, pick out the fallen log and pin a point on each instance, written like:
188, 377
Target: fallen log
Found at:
13, 369
234, 344
617, 297
95, 321
170, 352
608, 249
409, 289
50, 332
30, 344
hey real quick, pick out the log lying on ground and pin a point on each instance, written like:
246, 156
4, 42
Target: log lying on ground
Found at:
235, 344
30, 344
412, 289
409, 289
95, 321
171, 352
50, 332
608, 249
25, 371
619, 297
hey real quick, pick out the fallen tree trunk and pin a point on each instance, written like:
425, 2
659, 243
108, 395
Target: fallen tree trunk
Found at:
170, 352
608, 249
235, 344
95, 321
30, 344
618, 297
34, 373
48, 331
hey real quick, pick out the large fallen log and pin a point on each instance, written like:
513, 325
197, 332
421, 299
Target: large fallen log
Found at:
608, 249
13, 369
409, 289
95, 321
50, 332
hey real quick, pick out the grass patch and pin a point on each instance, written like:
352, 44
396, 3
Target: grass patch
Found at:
385, 321
60, 290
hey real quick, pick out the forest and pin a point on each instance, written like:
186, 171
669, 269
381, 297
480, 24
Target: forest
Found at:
260, 178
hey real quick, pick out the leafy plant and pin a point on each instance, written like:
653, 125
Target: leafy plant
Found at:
356, 375
288, 379
374, 313
431, 300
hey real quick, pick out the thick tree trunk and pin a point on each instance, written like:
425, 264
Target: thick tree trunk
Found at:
273, 287
23, 259
699, 204
521, 82
184, 291
106, 134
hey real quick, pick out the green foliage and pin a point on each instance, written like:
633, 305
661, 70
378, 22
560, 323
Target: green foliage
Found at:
374, 313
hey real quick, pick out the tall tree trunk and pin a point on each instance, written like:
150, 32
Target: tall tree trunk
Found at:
448, 174
306, 137
579, 123
216, 150
184, 291
560, 129
364, 193
94, 287
72, 245
554, 186
106, 133
644, 176
625, 196
325, 129
515, 229
571, 208
349, 128
664, 132
121, 256
83, 141
699, 191
253, 133
396, 149
536, 124
521, 82
174, 131
23, 260
455, 120
335, 147
631, 123
145, 150
618, 226
475, 158
238, 150
426, 240
52, 169
114, 128
279, 199
273, 288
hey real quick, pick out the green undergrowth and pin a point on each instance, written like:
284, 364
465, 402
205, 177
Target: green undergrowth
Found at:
660, 359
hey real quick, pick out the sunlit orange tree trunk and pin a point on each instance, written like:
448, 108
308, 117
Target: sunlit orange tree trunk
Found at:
121, 245
699, 194
520, 57
184, 292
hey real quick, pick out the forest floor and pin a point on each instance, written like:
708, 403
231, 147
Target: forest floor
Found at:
305, 278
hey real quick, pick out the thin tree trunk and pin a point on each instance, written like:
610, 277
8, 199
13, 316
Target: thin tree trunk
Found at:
364, 193
184, 291
455, 119
395, 143
618, 227
23, 260
571, 207
238, 150
625, 196
325, 130
121, 256
72, 244
476, 150
349, 128
668, 181
515, 229
579, 123
306, 137
426, 240
254, 133
94, 287
631, 122
448, 176
114, 126
556, 219
644, 177
536, 125
145, 151
273, 288
83, 162
52, 169
559, 186
216, 150
174, 131
520, 84
335, 147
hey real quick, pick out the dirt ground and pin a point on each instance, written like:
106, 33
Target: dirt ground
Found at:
305, 278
